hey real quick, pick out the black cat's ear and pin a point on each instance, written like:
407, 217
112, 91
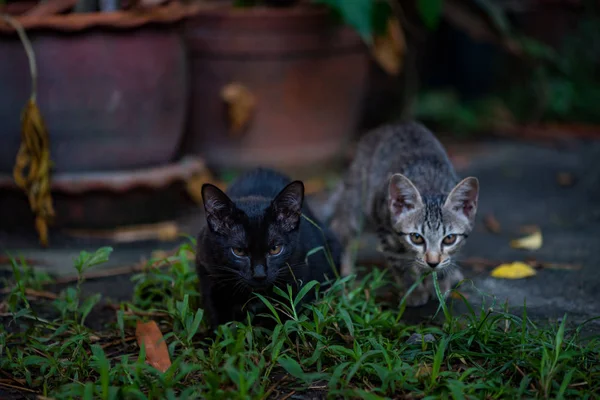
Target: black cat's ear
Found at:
219, 208
287, 206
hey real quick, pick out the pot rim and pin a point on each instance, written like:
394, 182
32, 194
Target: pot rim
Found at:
156, 177
305, 10
171, 13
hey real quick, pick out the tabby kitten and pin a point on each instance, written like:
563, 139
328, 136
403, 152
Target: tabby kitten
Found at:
255, 238
402, 185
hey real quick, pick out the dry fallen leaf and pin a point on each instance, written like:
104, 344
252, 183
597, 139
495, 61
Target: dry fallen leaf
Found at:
529, 229
32, 165
531, 242
388, 49
165, 231
564, 267
423, 370
241, 104
457, 295
515, 270
314, 185
491, 223
565, 179
157, 355
194, 185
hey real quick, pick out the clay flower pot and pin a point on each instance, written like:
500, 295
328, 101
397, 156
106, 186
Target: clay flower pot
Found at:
307, 75
112, 88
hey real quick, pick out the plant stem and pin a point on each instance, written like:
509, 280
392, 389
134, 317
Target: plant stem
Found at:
28, 50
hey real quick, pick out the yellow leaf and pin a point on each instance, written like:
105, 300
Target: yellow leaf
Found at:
32, 168
241, 104
388, 49
515, 270
531, 242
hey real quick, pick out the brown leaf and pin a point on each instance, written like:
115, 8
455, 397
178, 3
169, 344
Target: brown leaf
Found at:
314, 185
194, 185
164, 231
388, 49
565, 267
491, 223
423, 370
32, 168
241, 104
529, 229
454, 294
157, 354
565, 179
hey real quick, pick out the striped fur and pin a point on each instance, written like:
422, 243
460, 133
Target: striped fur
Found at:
401, 183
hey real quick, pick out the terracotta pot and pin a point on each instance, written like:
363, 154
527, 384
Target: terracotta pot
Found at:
112, 88
308, 77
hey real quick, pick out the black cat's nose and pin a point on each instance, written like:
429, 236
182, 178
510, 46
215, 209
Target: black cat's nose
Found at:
260, 274
433, 264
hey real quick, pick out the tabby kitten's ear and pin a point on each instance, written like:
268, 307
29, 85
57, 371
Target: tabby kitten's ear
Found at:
403, 196
287, 206
219, 209
463, 198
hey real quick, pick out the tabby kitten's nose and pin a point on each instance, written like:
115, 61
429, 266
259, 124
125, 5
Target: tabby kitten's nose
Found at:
433, 264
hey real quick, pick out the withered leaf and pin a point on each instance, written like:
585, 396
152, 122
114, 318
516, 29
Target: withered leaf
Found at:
388, 49
164, 231
32, 168
491, 223
157, 354
565, 179
241, 104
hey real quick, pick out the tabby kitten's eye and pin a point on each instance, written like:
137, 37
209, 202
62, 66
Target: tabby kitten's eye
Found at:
238, 252
416, 238
450, 239
275, 250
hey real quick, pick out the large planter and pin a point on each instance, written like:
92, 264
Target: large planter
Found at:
112, 89
113, 92
308, 77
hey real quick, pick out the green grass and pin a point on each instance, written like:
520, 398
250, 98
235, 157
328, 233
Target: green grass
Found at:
347, 344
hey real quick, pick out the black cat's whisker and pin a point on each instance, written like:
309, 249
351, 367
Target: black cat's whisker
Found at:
290, 269
228, 269
240, 287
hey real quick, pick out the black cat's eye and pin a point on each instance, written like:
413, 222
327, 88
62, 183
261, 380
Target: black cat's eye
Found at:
416, 238
450, 239
275, 250
238, 252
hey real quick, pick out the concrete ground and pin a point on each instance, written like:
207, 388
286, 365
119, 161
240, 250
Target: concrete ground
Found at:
519, 187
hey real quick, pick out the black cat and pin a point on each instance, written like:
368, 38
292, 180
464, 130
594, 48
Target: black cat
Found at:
256, 238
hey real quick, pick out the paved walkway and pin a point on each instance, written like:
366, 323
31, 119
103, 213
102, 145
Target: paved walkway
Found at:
519, 186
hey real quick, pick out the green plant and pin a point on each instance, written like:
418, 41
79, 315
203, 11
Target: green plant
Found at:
349, 343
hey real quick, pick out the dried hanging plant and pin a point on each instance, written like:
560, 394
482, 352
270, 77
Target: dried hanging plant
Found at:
32, 167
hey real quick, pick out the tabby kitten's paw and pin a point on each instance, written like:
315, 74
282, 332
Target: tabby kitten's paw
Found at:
347, 264
418, 297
